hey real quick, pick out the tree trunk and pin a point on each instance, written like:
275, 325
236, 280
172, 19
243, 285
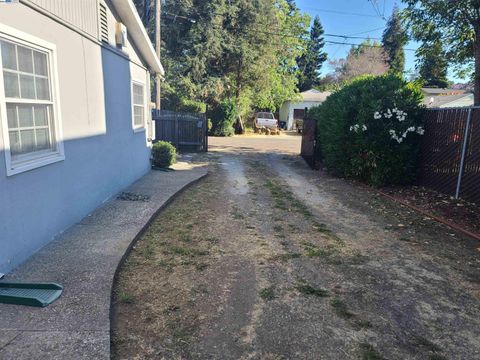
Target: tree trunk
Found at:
239, 128
476, 51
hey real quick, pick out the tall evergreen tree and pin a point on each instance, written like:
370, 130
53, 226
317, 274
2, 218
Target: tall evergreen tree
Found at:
310, 63
394, 39
432, 64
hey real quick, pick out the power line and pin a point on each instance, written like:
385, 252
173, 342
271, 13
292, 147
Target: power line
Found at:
352, 37
366, 45
368, 31
377, 10
341, 12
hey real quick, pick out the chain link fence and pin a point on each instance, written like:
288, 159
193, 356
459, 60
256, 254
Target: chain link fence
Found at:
450, 152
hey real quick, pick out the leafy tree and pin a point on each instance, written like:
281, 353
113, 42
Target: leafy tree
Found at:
311, 62
458, 25
220, 50
393, 40
432, 64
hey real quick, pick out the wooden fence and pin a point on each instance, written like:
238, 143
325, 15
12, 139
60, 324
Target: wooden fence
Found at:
186, 131
450, 152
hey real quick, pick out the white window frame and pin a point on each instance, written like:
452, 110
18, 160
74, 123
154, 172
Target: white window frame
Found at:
143, 127
35, 159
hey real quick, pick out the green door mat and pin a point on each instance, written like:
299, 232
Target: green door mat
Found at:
30, 294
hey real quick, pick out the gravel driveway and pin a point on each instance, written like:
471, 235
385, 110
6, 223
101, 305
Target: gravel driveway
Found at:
266, 259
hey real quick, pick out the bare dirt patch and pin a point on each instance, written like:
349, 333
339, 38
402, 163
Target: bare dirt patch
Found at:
267, 260
456, 211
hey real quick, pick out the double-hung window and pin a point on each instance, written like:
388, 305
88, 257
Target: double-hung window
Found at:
28, 110
138, 102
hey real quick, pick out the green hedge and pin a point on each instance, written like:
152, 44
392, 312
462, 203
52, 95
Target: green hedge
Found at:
164, 154
370, 130
222, 117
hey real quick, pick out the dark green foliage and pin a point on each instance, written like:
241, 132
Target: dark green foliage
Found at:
223, 117
355, 144
432, 64
393, 41
311, 62
163, 154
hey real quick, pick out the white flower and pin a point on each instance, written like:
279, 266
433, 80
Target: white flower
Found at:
411, 129
392, 132
351, 128
420, 130
396, 110
400, 140
377, 116
364, 127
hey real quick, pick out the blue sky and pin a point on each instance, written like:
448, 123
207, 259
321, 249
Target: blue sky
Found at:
362, 20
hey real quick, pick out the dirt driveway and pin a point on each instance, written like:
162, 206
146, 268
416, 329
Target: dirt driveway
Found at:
266, 259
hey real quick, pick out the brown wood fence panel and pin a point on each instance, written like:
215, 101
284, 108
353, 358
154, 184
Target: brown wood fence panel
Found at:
183, 130
450, 134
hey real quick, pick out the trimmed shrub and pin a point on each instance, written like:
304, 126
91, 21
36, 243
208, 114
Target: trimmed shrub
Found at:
370, 130
223, 117
163, 154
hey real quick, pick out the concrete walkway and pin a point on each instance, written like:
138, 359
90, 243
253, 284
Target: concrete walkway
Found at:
84, 260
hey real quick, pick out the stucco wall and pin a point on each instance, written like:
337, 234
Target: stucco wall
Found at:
102, 153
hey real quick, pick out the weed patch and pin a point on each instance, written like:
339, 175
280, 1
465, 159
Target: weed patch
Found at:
423, 342
341, 309
126, 298
267, 293
285, 200
368, 352
306, 289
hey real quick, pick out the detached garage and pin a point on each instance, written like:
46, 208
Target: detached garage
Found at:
295, 110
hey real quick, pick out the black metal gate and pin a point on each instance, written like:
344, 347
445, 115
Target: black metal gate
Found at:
309, 142
186, 131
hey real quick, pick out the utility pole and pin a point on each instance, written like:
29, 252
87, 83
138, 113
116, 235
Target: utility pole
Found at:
158, 37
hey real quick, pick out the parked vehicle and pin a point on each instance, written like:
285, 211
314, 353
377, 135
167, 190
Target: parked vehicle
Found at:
265, 119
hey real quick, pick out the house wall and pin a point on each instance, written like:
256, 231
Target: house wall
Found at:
102, 152
83, 14
286, 111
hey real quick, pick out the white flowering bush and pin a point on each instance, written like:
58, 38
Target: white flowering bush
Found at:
370, 130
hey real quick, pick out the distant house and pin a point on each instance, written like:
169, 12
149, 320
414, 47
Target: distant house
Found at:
75, 120
445, 98
293, 110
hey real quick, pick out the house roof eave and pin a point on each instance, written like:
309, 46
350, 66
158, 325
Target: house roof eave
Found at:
129, 15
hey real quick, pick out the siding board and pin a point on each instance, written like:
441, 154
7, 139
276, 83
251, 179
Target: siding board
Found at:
82, 14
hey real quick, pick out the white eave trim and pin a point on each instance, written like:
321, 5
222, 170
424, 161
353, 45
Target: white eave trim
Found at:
129, 15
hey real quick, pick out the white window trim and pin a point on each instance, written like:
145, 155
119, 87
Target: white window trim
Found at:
143, 127
35, 159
